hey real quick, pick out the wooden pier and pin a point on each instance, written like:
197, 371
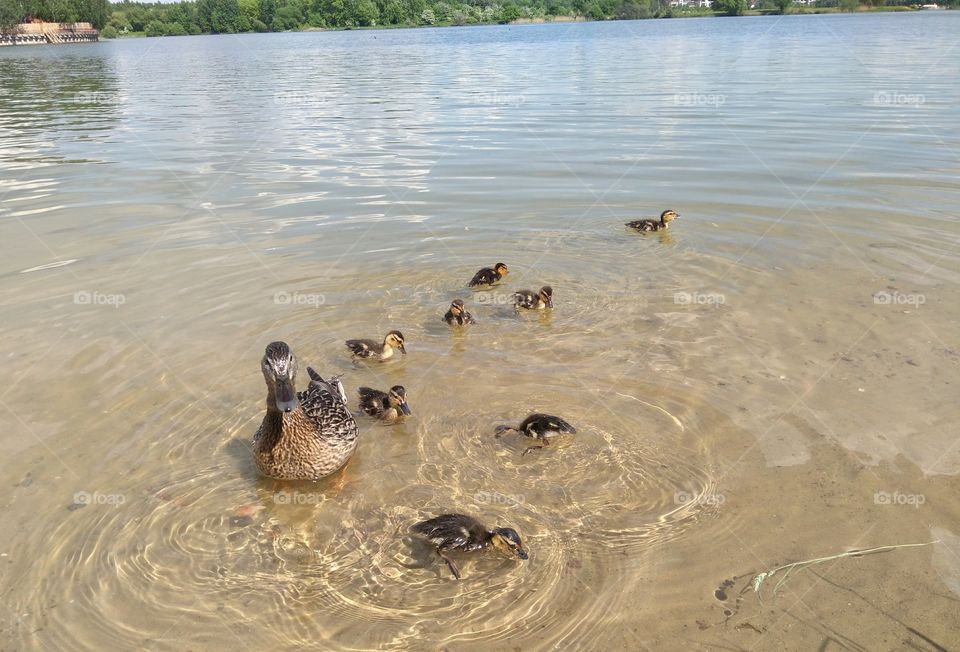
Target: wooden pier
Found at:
38, 33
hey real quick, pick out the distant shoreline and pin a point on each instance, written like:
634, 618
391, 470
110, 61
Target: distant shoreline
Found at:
680, 13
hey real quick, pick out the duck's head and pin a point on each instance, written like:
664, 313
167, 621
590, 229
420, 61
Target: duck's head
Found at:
546, 295
395, 339
507, 540
668, 216
501, 269
279, 368
398, 398
457, 307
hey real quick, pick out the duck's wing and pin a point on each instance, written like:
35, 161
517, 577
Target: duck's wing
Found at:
362, 348
483, 277
451, 530
324, 404
524, 298
334, 385
372, 401
541, 424
644, 225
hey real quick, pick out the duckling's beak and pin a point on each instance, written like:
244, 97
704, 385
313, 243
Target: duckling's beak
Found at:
549, 302
403, 349
405, 408
521, 553
286, 396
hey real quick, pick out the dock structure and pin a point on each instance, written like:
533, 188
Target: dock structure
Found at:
40, 33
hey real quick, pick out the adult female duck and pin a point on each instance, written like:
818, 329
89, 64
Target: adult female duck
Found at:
304, 435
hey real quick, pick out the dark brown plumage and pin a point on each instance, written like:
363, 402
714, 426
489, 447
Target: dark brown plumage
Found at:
489, 275
666, 217
466, 534
457, 315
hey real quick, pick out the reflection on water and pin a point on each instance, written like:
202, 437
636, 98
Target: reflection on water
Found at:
172, 205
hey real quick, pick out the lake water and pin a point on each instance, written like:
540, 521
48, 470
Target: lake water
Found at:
774, 380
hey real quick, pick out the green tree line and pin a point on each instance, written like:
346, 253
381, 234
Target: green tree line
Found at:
229, 16
96, 12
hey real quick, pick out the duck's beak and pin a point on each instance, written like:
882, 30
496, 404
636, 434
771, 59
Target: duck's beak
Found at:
521, 553
286, 396
549, 302
403, 349
405, 408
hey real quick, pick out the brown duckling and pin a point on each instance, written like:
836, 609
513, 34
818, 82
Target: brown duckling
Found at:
538, 426
489, 275
458, 315
666, 217
533, 300
372, 349
467, 534
388, 406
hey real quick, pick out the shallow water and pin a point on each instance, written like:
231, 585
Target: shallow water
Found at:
774, 380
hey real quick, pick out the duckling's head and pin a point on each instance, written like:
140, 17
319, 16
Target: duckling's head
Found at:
457, 307
668, 216
395, 338
279, 368
507, 540
546, 295
398, 398
500, 269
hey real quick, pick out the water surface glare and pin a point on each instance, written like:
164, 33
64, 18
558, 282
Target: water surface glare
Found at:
772, 380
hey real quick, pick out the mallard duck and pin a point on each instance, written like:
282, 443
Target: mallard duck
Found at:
539, 427
489, 275
373, 349
458, 315
304, 435
467, 534
534, 300
384, 405
666, 217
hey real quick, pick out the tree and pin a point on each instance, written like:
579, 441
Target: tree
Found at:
155, 28
108, 32
365, 13
730, 7
267, 9
10, 14
783, 6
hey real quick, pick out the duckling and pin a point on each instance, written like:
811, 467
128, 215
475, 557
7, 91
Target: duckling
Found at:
489, 275
458, 315
384, 405
666, 217
534, 300
304, 435
371, 349
539, 427
467, 534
